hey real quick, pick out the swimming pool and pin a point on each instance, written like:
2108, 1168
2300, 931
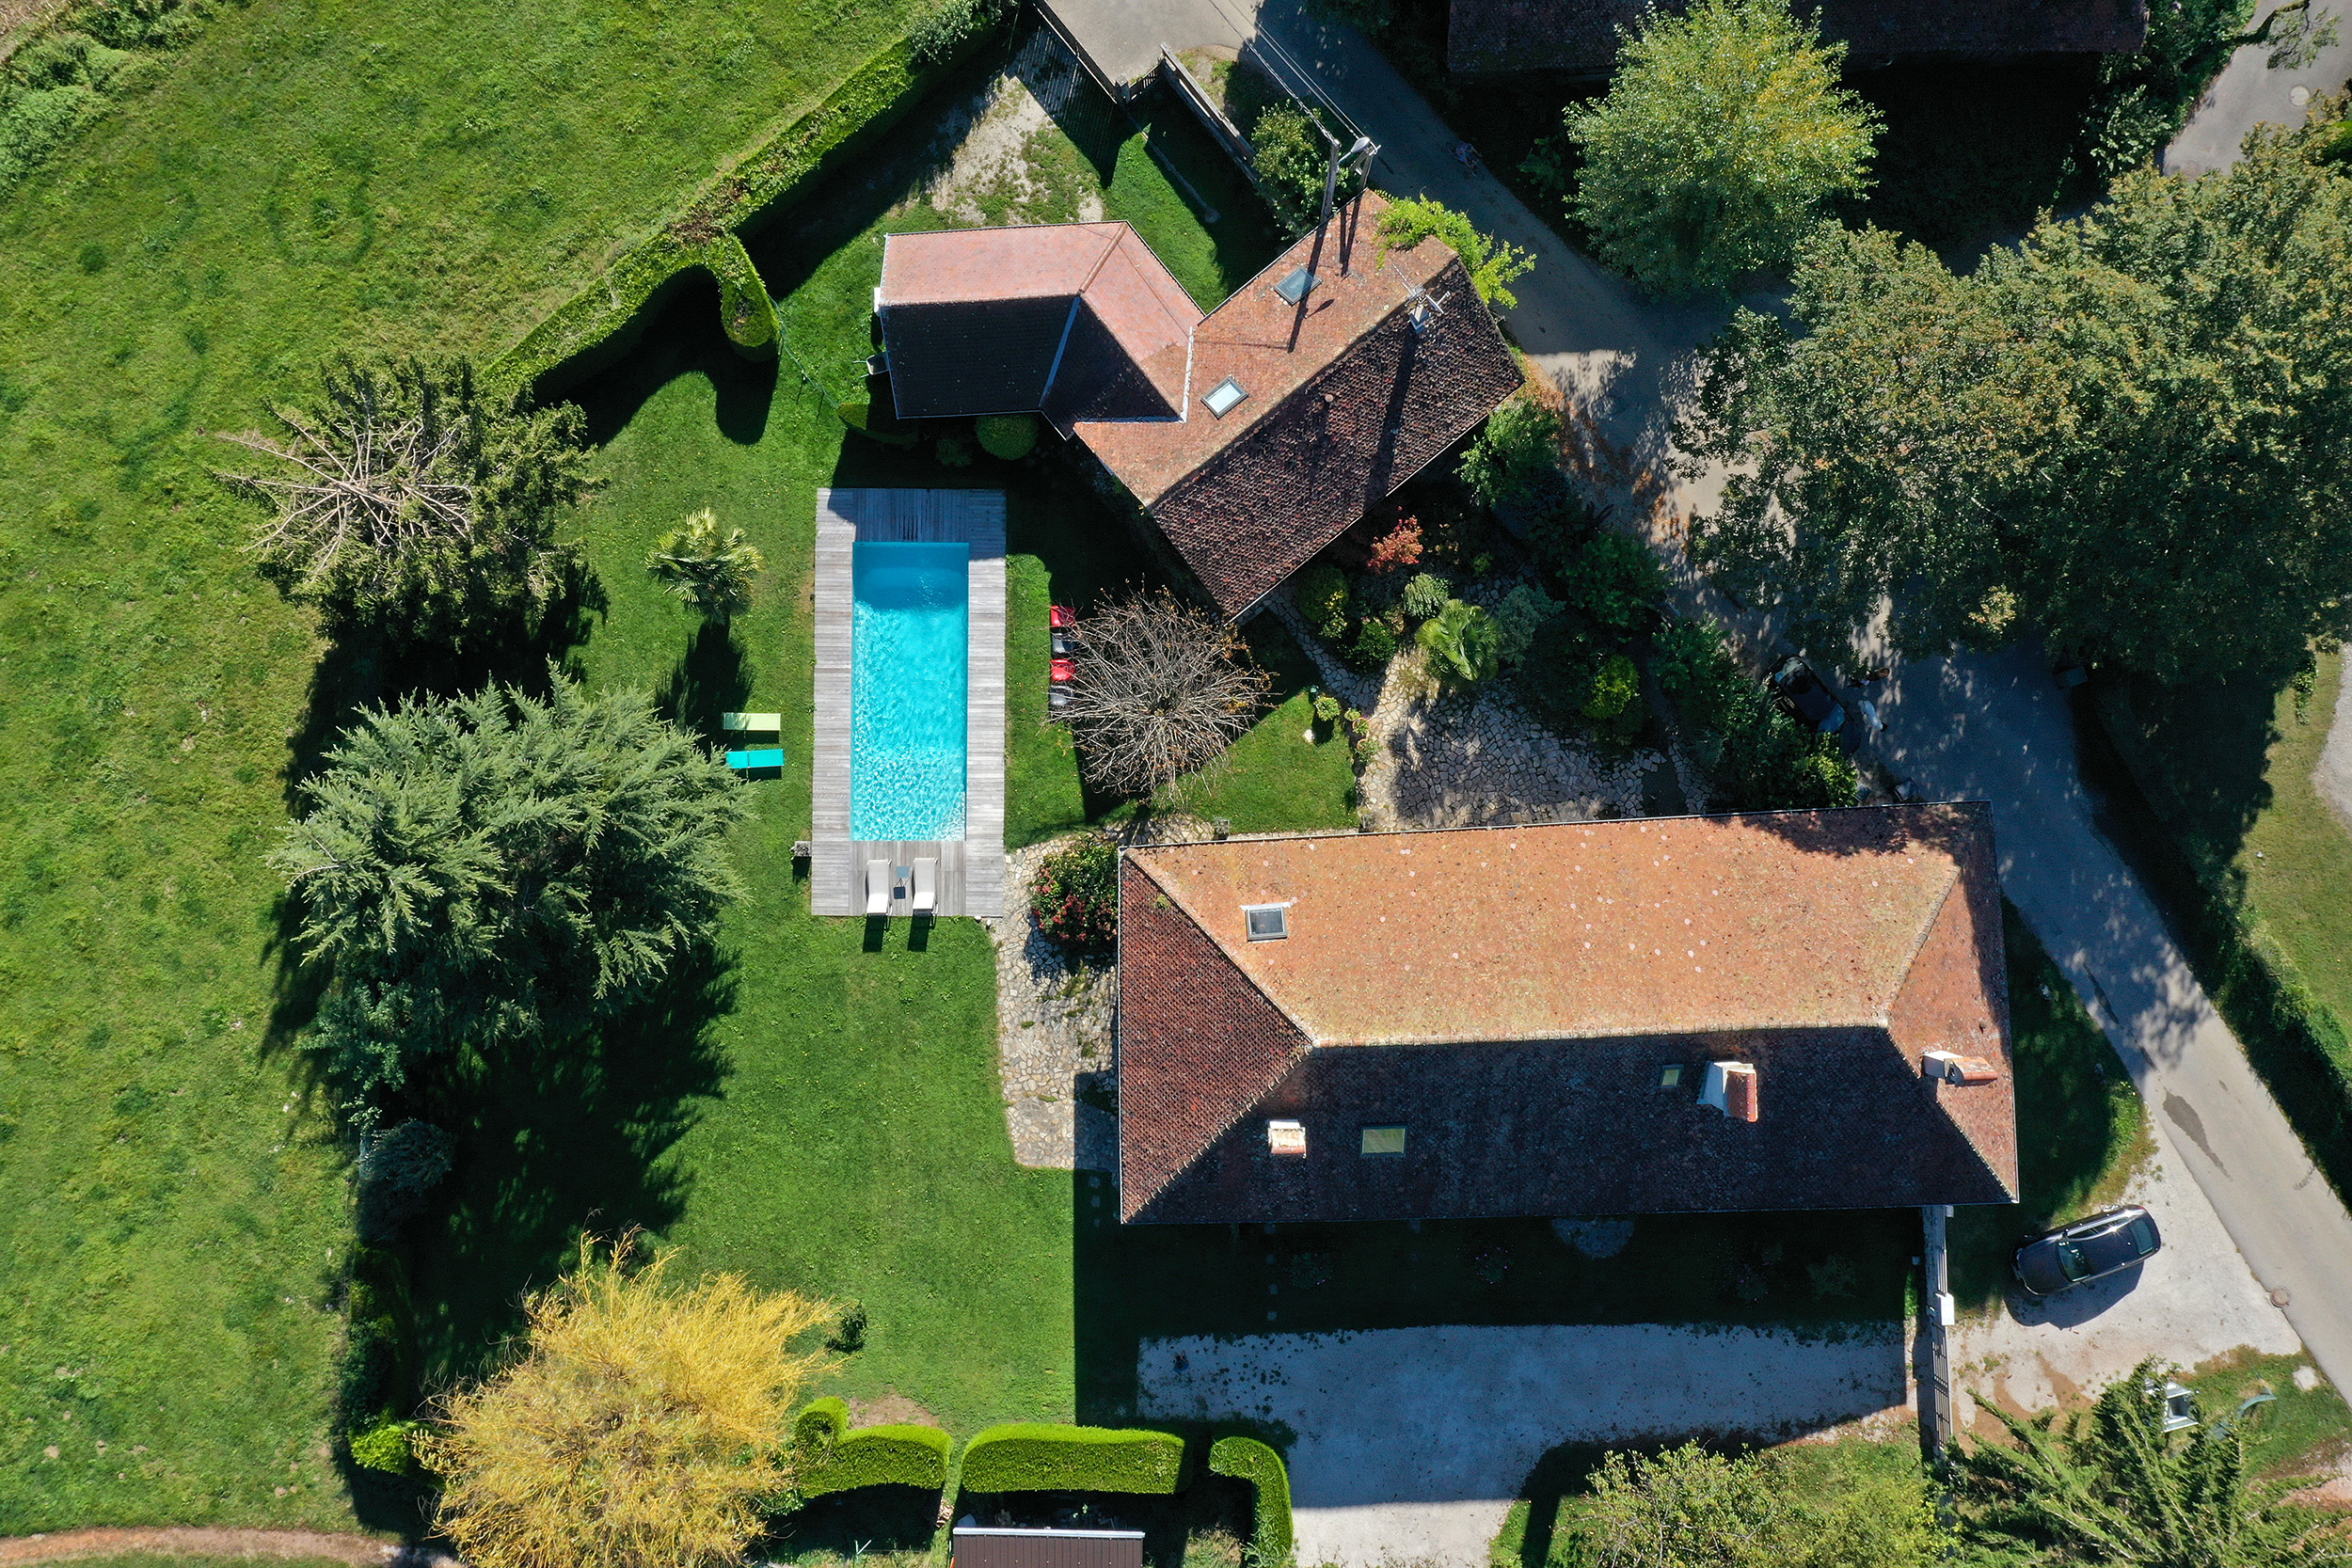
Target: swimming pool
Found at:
910, 647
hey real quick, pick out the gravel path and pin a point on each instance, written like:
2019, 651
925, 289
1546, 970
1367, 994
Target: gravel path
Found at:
1412, 1442
205, 1541
1053, 1018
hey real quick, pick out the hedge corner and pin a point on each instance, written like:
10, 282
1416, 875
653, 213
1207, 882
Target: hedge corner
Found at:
835, 1457
1030, 1457
1246, 1459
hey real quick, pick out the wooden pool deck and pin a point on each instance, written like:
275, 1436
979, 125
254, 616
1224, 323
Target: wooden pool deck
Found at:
971, 870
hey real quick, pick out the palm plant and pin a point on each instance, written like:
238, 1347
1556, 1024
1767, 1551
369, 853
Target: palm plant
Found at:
2115, 1487
709, 571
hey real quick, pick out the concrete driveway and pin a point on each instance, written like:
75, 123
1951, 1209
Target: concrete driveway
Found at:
1412, 1442
2249, 92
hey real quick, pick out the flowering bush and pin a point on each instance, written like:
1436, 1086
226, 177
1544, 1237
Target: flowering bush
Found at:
1397, 549
1074, 898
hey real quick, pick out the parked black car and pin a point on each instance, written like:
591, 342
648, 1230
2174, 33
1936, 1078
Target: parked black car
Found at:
2088, 1249
1802, 697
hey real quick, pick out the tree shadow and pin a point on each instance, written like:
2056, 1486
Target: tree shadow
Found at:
1562, 1473
850, 1524
681, 336
555, 1139
712, 678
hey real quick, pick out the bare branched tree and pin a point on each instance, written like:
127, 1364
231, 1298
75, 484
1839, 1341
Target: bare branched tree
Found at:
405, 500
1160, 689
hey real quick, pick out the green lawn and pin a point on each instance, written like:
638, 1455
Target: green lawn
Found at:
309, 175
2082, 1129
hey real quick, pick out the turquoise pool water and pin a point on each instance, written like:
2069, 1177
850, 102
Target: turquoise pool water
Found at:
910, 642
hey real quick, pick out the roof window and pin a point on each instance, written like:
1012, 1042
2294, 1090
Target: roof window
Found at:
1383, 1140
1286, 1138
1670, 1076
1268, 921
1224, 396
1297, 286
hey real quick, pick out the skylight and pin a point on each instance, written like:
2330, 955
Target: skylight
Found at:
1383, 1140
1268, 921
1224, 396
1297, 286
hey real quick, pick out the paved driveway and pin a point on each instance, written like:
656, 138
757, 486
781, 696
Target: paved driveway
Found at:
1413, 1441
2248, 92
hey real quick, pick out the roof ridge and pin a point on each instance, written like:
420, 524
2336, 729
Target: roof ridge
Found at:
1223, 948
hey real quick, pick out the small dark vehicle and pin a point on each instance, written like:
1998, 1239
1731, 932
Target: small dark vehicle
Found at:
2088, 1249
1802, 697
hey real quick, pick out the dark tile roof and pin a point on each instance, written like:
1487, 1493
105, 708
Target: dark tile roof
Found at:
1441, 980
1345, 402
984, 321
1582, 34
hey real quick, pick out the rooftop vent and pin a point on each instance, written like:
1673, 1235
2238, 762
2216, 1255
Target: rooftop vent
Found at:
1731, 1089
1287, 1138
1297, 286
1268, 921
1224, 396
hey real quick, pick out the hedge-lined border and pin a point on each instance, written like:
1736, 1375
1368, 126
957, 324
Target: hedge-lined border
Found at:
603, 320
1034, 1457
833, 1457
1246, 1459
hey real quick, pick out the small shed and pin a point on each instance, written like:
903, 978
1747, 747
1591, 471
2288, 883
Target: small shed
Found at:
993, 1546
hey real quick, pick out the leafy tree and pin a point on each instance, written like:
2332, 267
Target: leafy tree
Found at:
495, 868
710, 571
641, 1427
1463, 641
2127, 434
1614, 582
1755, 758
1491, 264
1721, 141
2143, 98
1290, 160
1514, 453
1689, 1508
407, 503
1517, 618
2114, 1487
1159, 689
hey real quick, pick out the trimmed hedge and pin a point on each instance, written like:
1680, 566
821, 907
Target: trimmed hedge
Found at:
1246, 1459
1032, 1457
608, 314
835, 1458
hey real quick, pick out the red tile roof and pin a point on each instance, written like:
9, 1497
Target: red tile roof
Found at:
1443, 980
1582, 34
1343, 400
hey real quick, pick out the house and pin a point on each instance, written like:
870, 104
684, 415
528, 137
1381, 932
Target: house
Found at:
1581, 36
1776, 1010
1253, 436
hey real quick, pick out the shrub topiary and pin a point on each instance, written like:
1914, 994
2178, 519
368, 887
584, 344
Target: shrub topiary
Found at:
1246, 1459
1322, 595
1517, 618
1426, 596
1027, 1457
385, 1447
1614, 687
833, 1457
1006, 436
1075, 899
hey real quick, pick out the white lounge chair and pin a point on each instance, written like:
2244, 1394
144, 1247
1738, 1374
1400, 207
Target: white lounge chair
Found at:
877, 887
925, 884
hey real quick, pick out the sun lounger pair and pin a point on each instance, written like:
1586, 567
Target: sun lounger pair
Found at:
887, 884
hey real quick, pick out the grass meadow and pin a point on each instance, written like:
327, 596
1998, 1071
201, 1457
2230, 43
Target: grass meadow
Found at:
309, 175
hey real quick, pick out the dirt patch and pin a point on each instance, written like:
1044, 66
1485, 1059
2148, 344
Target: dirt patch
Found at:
19, 17
191, 1541
891, 1409
993, 175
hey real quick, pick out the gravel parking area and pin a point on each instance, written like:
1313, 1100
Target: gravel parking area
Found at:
1412, 1442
